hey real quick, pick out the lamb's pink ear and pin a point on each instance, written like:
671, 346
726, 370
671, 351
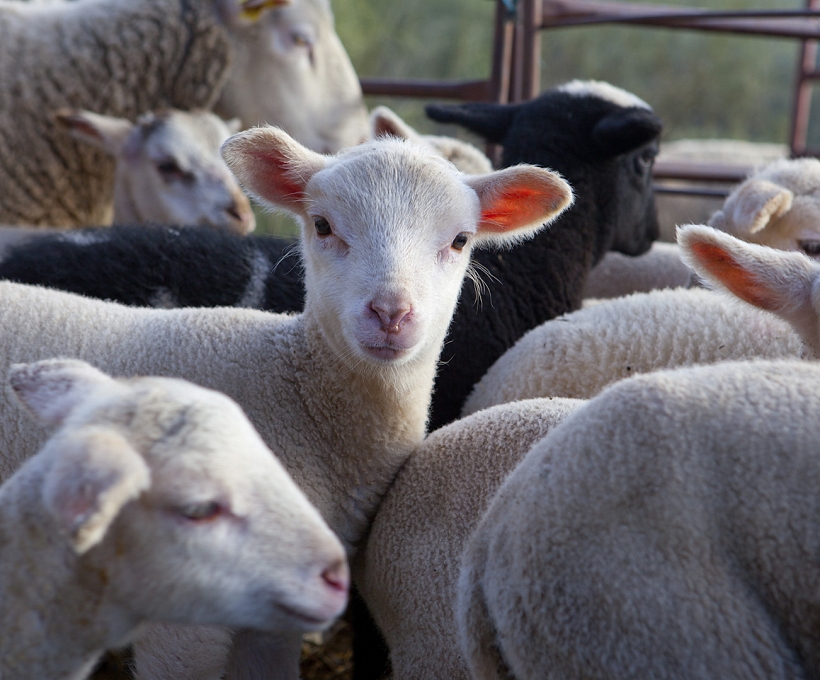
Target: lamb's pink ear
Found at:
752, 206
386, 122
104, 132
94, 474
782, 282
517, 201
272, 166
50, 389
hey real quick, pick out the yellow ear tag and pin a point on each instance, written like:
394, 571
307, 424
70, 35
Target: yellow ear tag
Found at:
251, 10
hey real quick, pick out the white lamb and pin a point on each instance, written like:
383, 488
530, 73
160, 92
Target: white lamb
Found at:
668, 529
408, 570
169, 170
777, 206
579, 354
155, 500
340, 392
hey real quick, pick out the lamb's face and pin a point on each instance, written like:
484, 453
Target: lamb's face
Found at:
166, 490
291, 69
387, 229
386, 243
169, 171
223, 535
779, 207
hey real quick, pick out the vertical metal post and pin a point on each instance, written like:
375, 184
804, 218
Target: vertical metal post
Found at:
806, 73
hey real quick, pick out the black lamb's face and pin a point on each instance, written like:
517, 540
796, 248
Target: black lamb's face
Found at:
634, 201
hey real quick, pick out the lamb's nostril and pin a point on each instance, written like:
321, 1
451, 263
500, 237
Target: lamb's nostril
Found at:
337, 576
391, 319
233, 212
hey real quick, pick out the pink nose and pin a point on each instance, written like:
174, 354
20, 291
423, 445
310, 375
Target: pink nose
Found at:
391, 319
337, 576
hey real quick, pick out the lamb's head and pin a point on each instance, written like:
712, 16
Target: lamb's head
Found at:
167, 488
778, 206
601, 138
387, 230
291, 69
782, 282
385, 122
168, 167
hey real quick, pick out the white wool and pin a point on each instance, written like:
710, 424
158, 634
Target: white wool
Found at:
667, 529
604, 90
408, 571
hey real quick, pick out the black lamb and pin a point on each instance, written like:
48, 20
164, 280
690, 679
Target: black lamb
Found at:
602, 139
162, 266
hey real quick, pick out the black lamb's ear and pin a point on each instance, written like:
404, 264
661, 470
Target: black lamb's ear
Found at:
489, 120
625, 130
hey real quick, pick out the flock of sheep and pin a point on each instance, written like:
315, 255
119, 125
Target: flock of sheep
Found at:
525, 431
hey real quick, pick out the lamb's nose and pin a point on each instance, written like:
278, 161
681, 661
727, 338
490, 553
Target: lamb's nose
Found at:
337, 576
391, 319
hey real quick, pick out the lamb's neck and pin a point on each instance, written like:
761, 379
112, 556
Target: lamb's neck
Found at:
373, 418
54, 617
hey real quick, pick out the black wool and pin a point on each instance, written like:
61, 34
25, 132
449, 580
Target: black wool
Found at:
161, 266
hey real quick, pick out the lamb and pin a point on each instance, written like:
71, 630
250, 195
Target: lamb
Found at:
777, 206
164, 266
466, 157
581, 353
408, 570
125, 57
666, 529
340, 392
603, 140
168, 167
129, 513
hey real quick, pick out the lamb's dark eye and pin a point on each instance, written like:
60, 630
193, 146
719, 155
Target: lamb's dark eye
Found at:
645, 159
170, 170
322, 226
200, 512
459, 241
811, 248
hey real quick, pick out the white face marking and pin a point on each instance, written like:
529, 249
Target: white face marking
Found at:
83, 238
254, 294
602, 90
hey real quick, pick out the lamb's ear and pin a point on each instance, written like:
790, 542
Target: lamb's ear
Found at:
491, 121
272, 166
517, 201
625, 130
104, 132
94, 474
50, 389
386, 122
752, 206
786, 283
234, 125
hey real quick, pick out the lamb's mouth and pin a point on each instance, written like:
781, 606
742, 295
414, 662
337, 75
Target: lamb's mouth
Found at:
385, 352
301, 615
